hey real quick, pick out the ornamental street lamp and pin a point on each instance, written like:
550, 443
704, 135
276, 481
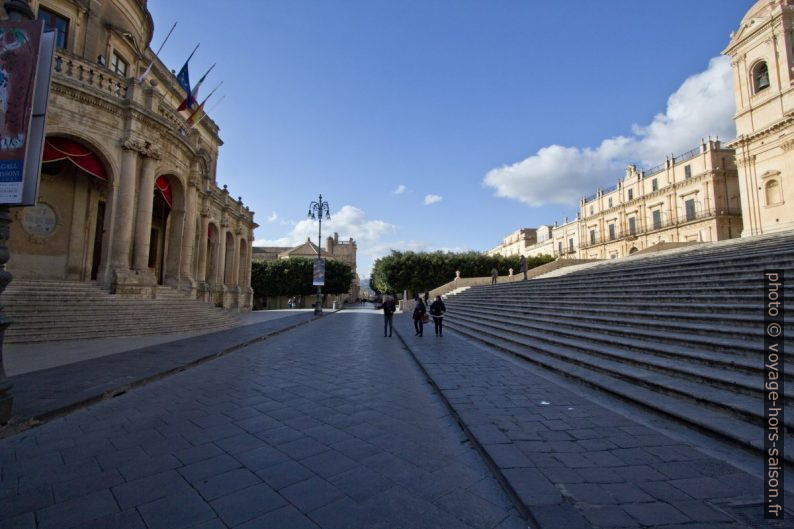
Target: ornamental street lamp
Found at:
316, 210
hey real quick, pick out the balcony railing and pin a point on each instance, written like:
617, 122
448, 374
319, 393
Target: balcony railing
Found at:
654, 170
664, 223
89, 74
687, 155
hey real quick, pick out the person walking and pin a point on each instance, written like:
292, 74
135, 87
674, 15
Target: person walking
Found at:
419, 314
437, 310
522, 264
494, 275
389, 308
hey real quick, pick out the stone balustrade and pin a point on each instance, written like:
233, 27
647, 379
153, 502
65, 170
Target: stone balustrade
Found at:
89, 74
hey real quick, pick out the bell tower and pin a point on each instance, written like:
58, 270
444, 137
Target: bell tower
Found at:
762, 57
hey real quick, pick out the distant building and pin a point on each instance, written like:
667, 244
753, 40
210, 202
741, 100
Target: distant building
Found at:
344, 251
763, 77
515, 244
693, 197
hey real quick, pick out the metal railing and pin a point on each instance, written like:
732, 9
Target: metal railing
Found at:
687, 155
654, 170
665, 222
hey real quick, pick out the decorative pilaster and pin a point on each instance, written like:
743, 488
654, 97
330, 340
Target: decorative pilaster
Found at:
124, 209
189, 232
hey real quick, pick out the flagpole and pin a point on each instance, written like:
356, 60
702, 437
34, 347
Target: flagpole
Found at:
166, 40
192, 52
218, 102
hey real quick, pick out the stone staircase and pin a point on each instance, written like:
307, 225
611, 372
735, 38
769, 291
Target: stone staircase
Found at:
680, 334
46, 311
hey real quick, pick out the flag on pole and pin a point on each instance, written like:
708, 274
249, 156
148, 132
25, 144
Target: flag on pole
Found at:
185, 104
145, 74
183, 78
198, 114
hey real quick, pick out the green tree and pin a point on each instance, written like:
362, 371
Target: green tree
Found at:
422, 271
292, 277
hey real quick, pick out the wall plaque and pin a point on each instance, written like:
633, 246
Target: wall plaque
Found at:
39, 220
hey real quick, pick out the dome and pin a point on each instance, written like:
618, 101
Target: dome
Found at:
761, 8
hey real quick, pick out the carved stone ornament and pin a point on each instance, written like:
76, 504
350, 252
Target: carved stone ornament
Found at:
141, 146
787, 146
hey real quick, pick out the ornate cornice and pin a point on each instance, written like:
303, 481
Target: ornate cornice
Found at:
85, 98
141, 146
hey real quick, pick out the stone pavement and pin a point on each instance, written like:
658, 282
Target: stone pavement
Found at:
42, 394
573, 463
328, 425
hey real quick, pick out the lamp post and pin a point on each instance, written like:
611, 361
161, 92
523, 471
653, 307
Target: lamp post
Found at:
316, 210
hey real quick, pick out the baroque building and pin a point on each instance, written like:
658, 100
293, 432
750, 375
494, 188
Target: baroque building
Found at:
128, 195
693, 197
762, 57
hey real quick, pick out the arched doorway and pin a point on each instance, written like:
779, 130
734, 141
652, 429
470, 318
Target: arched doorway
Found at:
161, 211
633, 250
63, 236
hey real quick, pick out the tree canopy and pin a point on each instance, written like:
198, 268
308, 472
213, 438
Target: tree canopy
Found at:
423, 271
292, 277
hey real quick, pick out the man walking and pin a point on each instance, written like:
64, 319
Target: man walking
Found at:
494, 275
389, 309
522, 263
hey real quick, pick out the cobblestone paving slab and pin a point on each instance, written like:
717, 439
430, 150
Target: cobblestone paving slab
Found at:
40, 394
329, 425
573, 463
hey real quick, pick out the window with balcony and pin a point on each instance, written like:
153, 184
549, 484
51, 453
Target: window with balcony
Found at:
57, 23
570, 245
631, 194
657, 219
611, 232
654, 184
592, 237
118, 65
691, 214
632, 226
760, 76
687, 171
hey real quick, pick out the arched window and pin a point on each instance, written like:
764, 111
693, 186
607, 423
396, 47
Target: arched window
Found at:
773, 193
760, 77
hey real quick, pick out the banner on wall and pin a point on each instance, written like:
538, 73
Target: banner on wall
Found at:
26, 55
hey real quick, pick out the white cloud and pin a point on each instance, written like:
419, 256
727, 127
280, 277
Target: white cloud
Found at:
702, 106
400, 190
348, 222
432, 199
273, 217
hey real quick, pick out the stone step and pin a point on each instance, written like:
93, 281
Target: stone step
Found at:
698, 366
647, 325
723, 426
742, 405
742, 314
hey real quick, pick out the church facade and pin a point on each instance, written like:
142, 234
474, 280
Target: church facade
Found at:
128, 195
762, 57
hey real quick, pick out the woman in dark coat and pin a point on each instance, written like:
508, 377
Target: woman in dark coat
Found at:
419, 313
437, 310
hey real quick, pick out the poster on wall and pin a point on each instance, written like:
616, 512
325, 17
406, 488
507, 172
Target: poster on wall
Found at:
318, 277
25, 69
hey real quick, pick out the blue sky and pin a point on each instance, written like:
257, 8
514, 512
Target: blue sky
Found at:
447, 124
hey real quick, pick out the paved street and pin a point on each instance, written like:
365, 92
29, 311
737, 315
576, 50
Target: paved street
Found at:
327, 425
331, 425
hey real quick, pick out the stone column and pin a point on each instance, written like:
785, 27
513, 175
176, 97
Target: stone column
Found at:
220, 272
124, 209
235, 276
143, 224
189, 230
203, 241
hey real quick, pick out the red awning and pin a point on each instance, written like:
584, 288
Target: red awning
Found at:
161, 184
56, 149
